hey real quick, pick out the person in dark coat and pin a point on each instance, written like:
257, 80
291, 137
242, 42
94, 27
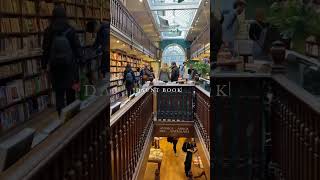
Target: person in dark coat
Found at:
256, 29
62, 77
145, 74
189, 148
129, 79
175, 72
216, 35
175, 142
102, 42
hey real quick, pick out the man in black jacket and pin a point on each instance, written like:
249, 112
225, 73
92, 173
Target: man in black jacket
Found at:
174, 72
102, 42
63, 65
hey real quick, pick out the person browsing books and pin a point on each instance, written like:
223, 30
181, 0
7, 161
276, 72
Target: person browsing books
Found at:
101, 43
61, 53
129, 79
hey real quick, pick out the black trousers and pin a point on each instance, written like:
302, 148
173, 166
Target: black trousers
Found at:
64, 97
187, 168
129, 88
175, 146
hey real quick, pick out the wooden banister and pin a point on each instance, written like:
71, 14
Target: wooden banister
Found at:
77, 150
202, 115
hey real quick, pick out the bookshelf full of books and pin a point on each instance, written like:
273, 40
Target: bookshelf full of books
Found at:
24, 88
118, 62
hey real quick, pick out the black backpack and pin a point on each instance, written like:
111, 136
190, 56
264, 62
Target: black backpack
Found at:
61, 52
129, 77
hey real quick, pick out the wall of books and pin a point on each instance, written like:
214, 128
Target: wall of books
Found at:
24, 88
118, 62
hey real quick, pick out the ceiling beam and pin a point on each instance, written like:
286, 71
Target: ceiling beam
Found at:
174, 7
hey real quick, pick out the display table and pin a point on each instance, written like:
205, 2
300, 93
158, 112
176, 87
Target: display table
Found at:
155, 156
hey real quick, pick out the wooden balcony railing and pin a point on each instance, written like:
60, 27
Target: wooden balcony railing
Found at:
124, 22
202, 115
174, 103
130, 128
295, 132
76, 151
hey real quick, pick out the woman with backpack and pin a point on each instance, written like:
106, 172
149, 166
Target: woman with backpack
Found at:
257, 32
62, 52
129, 79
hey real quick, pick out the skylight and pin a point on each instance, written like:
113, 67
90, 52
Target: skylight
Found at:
174, 17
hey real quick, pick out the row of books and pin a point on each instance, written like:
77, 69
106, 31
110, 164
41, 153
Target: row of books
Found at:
11, 117
32, 67
43, 24
45, 9
36, 105
29, 7
29, 25
116, 76
10, 25
36, 85
10, 6
117, 89
10, 70
11, 92
9, 45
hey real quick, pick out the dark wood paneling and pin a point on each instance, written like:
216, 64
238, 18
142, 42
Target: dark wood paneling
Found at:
174, 103
238, 129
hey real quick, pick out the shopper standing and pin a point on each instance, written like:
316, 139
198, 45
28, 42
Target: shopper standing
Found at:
152, 73
184, 71
62, 52
216, 35
145, 74
231, 25
258, 33
175, 142
192, 72
174, 72
129, 79
189, 148
164, 74
101, 43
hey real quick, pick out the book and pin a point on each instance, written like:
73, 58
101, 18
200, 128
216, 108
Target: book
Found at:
14, 91
15, 147
29, 7
12, 116
3, 96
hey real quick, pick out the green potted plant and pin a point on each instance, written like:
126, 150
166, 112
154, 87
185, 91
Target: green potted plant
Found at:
295, 20
202, 68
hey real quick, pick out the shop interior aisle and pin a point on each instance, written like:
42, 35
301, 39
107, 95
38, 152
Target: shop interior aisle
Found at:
172, 167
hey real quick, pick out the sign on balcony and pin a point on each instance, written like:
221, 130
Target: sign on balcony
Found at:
176, 129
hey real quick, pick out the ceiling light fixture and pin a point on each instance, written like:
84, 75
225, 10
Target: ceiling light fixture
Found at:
118, 41
141, 1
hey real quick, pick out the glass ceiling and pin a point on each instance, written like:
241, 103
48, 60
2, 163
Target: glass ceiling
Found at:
174, 17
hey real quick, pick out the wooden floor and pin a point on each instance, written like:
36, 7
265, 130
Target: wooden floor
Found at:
172, 167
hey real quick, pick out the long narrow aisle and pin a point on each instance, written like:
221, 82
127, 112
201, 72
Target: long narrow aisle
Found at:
172, 167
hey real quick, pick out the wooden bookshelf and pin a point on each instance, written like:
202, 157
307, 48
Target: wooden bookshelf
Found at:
118, 62
21, 33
